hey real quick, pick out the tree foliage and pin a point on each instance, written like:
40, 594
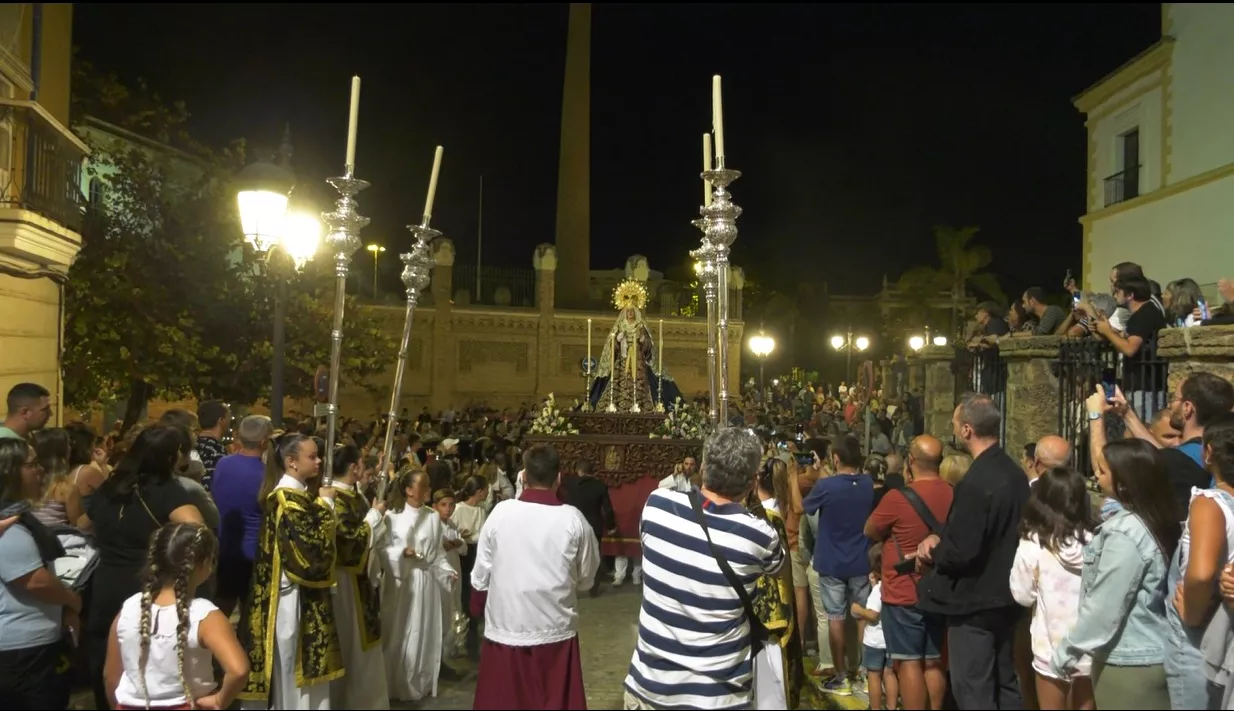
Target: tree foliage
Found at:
961, 270
165, 299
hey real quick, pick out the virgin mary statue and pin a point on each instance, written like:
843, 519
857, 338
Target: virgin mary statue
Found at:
628, 378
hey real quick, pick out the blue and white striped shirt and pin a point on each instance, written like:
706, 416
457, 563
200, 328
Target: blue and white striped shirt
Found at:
693, 637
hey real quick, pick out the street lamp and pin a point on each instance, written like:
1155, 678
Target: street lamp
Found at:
940, 341
262, 199
761, 346
916, 343
849, 344
376, 249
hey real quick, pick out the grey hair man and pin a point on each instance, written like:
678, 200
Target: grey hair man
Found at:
236, 484
254, 435
684, 581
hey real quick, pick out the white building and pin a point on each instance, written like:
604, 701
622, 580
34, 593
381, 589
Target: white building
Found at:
1161, 154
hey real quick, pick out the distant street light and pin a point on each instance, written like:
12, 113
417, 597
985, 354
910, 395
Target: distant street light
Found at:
940, 341
862, 343
849, 344
916, 343
837, 342
376, 249
761, 346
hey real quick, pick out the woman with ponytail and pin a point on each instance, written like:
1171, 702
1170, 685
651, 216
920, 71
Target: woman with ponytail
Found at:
163, 642
287, 623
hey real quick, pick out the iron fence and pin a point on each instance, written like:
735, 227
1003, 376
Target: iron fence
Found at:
982, 371
1083, 366
499, 286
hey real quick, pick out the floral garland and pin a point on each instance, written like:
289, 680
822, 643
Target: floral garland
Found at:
684, 421
551, 422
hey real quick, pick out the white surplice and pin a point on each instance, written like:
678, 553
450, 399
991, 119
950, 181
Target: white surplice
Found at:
411, 601
284, 692
453, 643
364, 684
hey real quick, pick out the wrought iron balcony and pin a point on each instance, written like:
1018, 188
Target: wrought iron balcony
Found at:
41, 164
1122, 186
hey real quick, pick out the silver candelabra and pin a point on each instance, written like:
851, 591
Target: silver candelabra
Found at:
343, 239
704, 256
719, 225
417, 269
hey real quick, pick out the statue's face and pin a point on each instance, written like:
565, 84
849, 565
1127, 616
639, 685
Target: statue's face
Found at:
629, 314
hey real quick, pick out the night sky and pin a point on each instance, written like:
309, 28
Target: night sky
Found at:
857, 127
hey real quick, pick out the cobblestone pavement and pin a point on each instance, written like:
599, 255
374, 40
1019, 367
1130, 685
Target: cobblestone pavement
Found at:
608, 632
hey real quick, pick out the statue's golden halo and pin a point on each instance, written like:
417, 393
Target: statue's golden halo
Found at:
630, 294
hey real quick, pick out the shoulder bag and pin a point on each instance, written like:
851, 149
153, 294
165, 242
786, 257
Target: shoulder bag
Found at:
758, 632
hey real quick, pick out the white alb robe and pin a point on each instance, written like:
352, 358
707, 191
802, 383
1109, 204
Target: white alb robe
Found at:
411, 601
453, 643
284, 692
364, 684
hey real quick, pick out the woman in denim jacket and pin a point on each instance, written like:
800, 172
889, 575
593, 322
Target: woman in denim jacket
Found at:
1121, 623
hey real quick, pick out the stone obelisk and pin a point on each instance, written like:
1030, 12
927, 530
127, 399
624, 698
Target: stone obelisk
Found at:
573, 236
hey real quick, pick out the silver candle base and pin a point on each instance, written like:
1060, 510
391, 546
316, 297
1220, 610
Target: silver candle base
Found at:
343, 223
719, 225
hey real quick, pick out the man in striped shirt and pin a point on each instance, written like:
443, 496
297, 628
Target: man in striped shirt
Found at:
694, 644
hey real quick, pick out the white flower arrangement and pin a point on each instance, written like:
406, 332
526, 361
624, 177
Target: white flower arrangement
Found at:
684, 421
551, 422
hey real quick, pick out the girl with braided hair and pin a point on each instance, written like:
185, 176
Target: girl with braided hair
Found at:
162, 643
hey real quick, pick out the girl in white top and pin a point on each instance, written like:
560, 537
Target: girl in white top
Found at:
163, 641
468, 517
1056, 524
455, 547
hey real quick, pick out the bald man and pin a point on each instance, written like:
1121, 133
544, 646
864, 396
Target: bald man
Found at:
1052, 451
913, 637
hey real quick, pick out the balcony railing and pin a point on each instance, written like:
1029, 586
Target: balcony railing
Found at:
1122, 186
44, 165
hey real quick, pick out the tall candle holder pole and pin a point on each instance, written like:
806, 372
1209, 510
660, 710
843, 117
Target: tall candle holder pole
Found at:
343, 239
720, 227
705, 258
417, 269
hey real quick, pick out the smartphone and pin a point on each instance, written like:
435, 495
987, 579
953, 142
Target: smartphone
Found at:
1108, 383
906, 566
1076, 298
14, 509
801, 433
805, 459
782, 446
1204, 314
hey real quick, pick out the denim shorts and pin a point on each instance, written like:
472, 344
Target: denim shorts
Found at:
874, 659
910, 633
839, 594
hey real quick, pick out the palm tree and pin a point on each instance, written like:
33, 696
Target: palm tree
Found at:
960, 270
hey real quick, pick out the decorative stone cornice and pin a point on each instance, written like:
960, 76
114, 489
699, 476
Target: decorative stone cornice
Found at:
934, 353
1029, 347
1201, 342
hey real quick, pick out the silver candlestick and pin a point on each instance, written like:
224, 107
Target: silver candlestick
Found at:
343, 239
720, 218
705, 258
417, 268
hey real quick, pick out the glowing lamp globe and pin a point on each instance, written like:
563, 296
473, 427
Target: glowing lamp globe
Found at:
940, 341
262, 199
837, 342
916, 343
862, 343
762, 345
301, 237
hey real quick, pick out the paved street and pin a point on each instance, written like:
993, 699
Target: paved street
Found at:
607, 637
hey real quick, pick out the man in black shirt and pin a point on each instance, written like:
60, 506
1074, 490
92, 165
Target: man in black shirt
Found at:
590, 496
971, 563
1144, 379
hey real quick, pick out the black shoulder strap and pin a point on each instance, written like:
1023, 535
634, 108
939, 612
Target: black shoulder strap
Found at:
757, 630
927, 516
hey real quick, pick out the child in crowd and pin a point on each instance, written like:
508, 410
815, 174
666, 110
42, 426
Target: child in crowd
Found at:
163, 642
1056, 524
882, 687
452, 603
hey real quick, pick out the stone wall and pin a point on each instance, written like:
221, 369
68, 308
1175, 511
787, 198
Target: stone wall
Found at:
1032, 391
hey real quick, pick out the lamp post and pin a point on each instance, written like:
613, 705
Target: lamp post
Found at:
262, 201
376, 249
848, 344
761, 346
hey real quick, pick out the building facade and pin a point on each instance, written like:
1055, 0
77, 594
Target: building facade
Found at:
41, 203
1161, 154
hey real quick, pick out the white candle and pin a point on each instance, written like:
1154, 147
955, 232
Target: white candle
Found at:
353, 120
661, 348
706, 167
717, 119
432, 184
589, 346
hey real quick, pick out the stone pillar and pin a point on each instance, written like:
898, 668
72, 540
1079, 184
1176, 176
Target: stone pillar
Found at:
443, 356
736, 287
1192, 350
939, 390
545, 262
1032, 389
573, 235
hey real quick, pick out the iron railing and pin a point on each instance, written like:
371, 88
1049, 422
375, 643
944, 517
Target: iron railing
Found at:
1122, 186
982, 371
45, 165
496, 283
1084, 365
